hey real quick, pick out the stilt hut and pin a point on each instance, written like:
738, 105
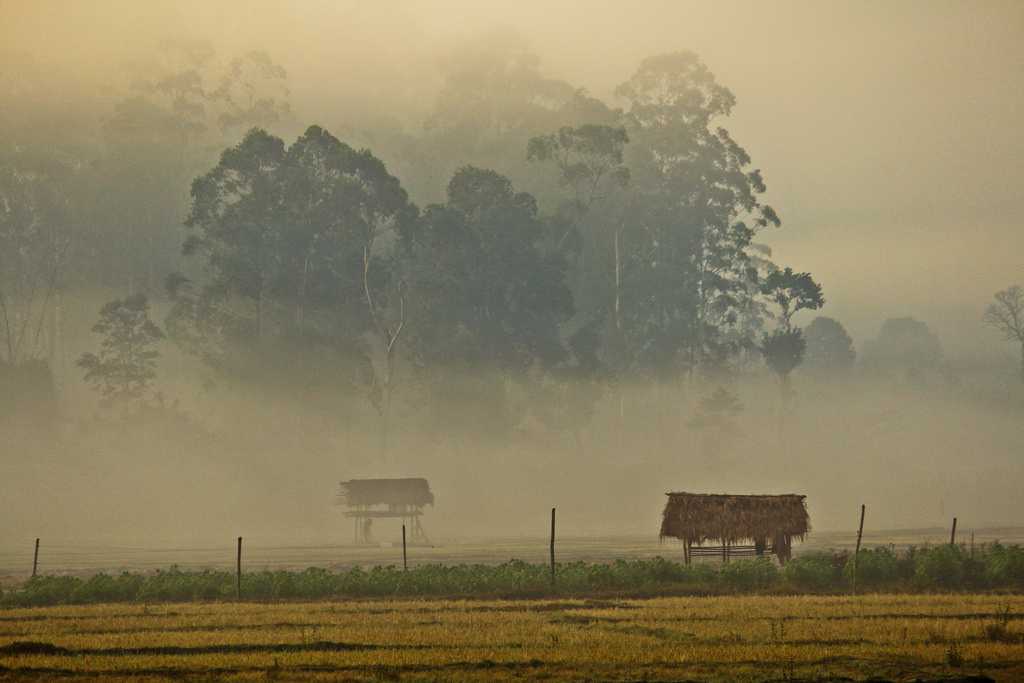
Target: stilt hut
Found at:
370, 499
727, 526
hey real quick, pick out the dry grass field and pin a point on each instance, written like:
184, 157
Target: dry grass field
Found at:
724, 638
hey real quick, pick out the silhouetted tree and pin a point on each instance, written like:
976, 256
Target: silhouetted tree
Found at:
176, 114
716, 417
903, 345
784, 348
252, 93
792, 292
1006, 316
783, 351
829, 347
125, 367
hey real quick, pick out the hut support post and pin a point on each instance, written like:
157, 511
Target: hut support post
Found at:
856, 552
35, 559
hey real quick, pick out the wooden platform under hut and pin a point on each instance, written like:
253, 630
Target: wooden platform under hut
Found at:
728, 526
369, 499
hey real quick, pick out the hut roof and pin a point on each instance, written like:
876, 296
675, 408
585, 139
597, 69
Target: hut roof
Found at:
395, 492
700, 517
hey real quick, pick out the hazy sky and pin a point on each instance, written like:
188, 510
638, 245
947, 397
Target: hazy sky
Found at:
891, 134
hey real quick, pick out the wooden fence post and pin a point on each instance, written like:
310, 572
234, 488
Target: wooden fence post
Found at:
952, 534
856, 552
405, 557
238, 571
35, 559
552, 547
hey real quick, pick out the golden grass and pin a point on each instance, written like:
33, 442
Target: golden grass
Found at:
723, 638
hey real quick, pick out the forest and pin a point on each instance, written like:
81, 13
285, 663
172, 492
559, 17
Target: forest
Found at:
195, 275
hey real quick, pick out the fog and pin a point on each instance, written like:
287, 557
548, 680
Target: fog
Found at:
889, 137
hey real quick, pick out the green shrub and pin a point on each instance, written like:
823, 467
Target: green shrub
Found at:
813, 571
106, 588
45, 590
1004, 566
876, 567
174, 585
749, 575
940, 567
906, 564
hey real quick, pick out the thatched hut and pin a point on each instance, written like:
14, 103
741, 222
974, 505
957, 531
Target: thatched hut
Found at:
736, 525
369, 499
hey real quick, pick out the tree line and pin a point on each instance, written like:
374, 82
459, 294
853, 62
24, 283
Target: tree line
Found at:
632, 254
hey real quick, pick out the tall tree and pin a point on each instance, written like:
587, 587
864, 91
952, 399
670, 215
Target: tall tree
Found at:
1006, 316
488, 299
253, 92
296, 242
588, 229
699, 212
589, 159
35, 239
494, 97
179, 109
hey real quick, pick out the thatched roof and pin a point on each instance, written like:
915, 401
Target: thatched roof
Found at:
700, 517
393, 492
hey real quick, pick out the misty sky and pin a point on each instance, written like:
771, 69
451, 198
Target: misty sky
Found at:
890, 133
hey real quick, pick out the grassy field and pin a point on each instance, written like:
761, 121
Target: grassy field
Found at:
722, 638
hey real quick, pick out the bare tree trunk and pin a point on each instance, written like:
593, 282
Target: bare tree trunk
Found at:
786, 394
58, 345
300, 308
259, 314
389, 339
8, 331
618, 283
1022, 360
388, 379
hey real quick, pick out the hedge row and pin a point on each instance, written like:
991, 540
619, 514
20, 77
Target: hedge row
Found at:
918, 569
